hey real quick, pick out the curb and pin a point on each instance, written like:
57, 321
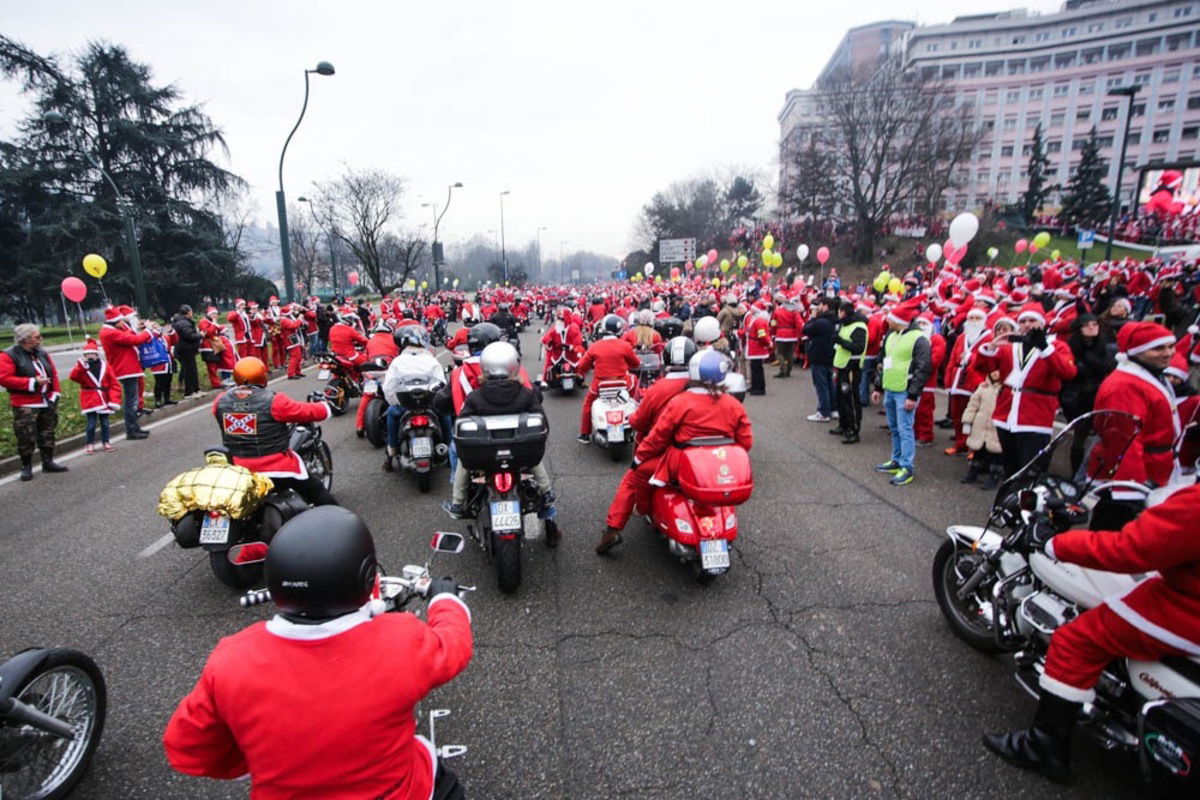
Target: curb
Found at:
12, 464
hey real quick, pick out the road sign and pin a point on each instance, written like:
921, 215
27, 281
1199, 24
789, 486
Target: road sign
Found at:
676, 251
1086, 239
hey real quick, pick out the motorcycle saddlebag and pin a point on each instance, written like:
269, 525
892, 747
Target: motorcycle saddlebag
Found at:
1170, 745
718, 476
505, 441
187, 529
278, 508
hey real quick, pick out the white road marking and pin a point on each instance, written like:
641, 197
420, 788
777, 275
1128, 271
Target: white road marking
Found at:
163, 541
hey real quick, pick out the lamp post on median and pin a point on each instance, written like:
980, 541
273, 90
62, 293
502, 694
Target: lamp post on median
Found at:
322, 68
436, 248
539, 250
333, 274
1128, 92
503, 254
124, 208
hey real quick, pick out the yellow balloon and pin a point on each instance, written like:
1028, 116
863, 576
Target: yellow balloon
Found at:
742, 261
724, 265
455, 283
768, 242
779, 259
716, 283
1042, 239
637, 277
766, 258
895, 285
424, 284
658, 278
1055, 254
95, 265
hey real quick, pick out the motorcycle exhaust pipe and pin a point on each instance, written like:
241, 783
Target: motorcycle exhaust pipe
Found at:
441, 449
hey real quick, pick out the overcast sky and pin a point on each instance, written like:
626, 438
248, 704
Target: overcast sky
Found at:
581, 110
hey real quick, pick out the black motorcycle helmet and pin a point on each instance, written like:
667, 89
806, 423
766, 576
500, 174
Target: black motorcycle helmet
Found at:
481, 336
678, 353
612, 325
669, 327
321, 564
408, 313
410, 336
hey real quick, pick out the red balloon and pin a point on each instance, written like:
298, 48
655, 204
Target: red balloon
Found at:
822, 255
74, 289
1020, 245
353, 278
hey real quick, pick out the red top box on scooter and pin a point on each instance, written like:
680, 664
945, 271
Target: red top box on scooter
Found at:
717, 475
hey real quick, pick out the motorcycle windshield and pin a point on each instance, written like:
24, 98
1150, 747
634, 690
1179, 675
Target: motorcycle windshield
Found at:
1114, 432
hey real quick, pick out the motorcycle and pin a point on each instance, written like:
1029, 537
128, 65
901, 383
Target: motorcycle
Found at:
374, 418
53, 704
610, 418
562, 374
210, 521
422, 440
344, 382
1000, 593
696, 516
395, 593
437, 332
503, 501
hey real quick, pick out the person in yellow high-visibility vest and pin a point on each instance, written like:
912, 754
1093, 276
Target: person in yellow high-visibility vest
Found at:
907, 364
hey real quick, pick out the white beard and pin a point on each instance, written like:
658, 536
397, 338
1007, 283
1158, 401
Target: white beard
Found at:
972, 330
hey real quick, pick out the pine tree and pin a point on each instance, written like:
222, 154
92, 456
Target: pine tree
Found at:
1087, 201
1037, 189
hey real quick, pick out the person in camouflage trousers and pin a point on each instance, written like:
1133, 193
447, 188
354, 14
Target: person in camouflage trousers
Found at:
28, 373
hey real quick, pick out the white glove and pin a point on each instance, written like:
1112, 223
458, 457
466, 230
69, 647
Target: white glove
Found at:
966, 428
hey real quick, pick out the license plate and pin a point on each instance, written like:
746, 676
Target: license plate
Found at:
323, 375
214, 530
568, 383
506, 516
714, 554
616, 433
369, 387
422, 447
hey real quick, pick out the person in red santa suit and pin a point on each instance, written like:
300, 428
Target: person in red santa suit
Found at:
99, 395
704, 409
120, 342
923, 421
634, 489
1138, 386
292, 325
382, 343
1160, 616
256, 332
346, 341
239, 323
1032, 367
254, 428
322, 652
613, 358
785, 327
962, 379
564, 334
757, 335
28, 373
278, 341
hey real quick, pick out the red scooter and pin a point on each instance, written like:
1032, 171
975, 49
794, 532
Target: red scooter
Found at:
696, 516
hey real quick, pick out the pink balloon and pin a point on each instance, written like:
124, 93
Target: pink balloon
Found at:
353, 278
953, 254
1033, 248
1020, 245
74, 289
713, 256
822, 255
688, 266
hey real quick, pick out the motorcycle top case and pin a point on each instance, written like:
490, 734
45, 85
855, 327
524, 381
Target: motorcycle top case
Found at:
515, 441
1170, 751
718, 475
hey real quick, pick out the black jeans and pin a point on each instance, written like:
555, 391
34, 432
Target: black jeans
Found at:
1018, 449
162, 388
758, 380
311, 489
188, 373
849, 405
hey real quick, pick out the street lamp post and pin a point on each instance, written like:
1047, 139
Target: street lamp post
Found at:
285, 250
503, 254
539, 250
125, 209
1128, 92
333, 274
436, 249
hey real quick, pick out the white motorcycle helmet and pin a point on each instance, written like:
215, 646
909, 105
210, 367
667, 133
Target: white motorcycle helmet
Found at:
706, 331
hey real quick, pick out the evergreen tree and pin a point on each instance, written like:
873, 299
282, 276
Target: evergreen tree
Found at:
1087, 201
1037, 189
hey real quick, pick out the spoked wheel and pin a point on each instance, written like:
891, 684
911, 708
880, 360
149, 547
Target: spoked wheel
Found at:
319, 463
970, 618
36, 764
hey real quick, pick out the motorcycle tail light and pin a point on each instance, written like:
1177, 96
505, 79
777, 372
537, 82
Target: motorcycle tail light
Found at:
420, 421
614, 417
503, 481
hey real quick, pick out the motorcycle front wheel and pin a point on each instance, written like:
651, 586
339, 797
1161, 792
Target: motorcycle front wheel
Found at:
36, 765
335, 394
969, 620
319, 462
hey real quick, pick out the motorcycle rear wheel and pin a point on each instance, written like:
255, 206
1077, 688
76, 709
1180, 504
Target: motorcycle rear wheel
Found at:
507, 553
424, 481
966, 620
235, 577
374, 422
71, 688
618, 452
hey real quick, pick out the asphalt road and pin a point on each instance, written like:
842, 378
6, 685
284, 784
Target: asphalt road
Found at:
818, 667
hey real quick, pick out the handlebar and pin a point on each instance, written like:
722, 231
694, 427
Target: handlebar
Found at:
395, 589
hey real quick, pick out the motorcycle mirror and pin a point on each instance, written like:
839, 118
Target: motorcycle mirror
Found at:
446, 542
248, 553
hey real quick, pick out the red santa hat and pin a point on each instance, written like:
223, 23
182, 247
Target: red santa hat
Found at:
1138, 337
272, 299
112, 314
972, 285
239, 302
208, 312
125, 311
92, 346
1019, 297
905, 313
252, 304
986, 296
1032, 311
1178, 367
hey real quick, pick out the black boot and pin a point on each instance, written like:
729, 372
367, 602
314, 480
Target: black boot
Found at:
48, 463
26, 468
995, 475
972, 472
1045, 746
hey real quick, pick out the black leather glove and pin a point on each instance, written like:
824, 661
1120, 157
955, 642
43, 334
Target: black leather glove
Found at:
1036, 338
441, 585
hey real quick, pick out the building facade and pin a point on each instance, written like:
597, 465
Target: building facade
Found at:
1016, 69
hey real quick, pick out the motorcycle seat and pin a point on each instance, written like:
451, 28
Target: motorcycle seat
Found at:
708, 441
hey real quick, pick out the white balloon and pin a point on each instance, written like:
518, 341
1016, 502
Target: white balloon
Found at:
802, 252
963, 229
933, 253
648, 269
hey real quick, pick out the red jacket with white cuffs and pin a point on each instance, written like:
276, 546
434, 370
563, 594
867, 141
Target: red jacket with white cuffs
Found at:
1165, 606
1032, 381
100, 394
1151, 456
21, 381
308, 712
120, 343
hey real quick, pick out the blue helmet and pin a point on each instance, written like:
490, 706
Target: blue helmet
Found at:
709, 367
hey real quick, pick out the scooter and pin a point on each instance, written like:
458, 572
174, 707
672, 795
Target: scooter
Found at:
53, 704
610, 418
696, 517
422, 442
1000, 592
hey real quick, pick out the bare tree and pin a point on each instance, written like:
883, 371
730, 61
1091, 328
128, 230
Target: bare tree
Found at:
809, 192
359, 208
886, 144
403, 255
307, 250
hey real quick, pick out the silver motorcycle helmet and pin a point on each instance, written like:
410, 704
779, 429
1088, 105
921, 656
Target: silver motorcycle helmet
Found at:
499, 361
